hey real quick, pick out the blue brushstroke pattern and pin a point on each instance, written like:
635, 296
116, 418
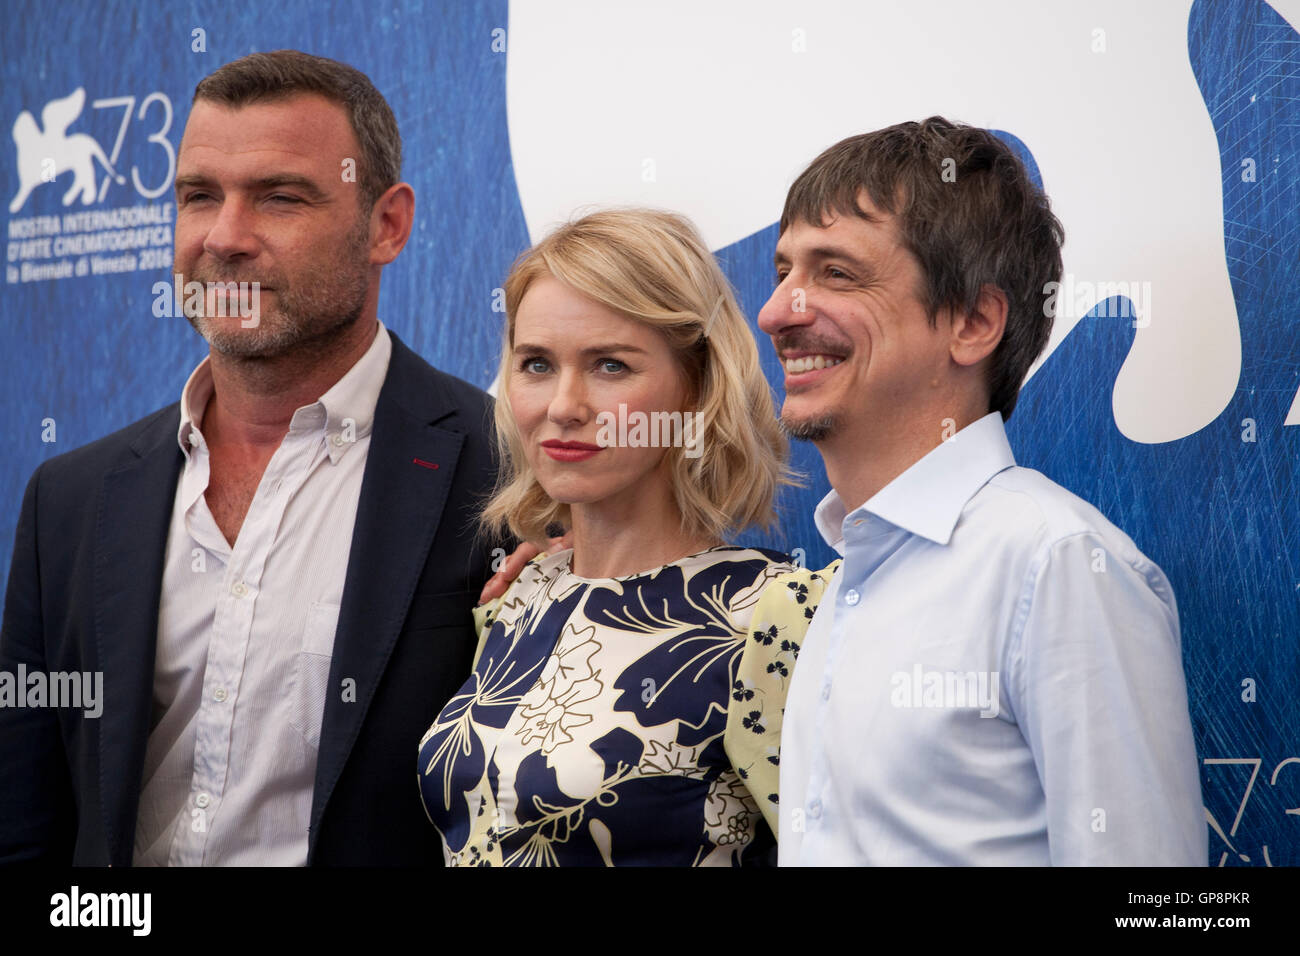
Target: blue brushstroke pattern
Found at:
1219, 515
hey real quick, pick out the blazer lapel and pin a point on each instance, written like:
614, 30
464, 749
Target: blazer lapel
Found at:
408, 476
135, 509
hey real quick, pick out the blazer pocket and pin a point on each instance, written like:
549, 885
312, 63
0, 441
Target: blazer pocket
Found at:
439, 610
311, 672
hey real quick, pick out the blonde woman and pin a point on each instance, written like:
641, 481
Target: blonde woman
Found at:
634, 413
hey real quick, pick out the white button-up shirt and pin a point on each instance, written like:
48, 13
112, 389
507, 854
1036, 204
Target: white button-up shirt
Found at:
246, 634
994, 676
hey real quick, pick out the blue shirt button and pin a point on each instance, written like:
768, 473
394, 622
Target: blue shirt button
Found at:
815, 808
851, 597
826, 691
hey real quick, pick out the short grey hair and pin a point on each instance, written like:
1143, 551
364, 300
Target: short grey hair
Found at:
263, 77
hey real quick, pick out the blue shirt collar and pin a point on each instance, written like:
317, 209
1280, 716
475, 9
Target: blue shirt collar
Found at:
928, 498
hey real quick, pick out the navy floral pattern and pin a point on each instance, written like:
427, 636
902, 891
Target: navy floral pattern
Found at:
591, 731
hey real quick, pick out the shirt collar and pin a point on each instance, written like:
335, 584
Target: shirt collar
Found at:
928, 498
345, 413
194, 400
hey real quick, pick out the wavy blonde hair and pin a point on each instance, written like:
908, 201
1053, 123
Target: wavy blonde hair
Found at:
653, 267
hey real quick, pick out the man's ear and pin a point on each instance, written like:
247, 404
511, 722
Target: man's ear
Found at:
390, 223
976, 333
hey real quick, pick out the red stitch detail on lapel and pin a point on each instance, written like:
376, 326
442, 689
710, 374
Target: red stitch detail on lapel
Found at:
425, 464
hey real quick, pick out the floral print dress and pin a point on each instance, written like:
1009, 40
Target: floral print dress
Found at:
591, 731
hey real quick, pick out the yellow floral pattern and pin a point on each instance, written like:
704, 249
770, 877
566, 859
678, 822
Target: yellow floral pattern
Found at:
754, 715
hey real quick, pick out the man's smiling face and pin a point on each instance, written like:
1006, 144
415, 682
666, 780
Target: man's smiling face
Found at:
848, 323
260, 198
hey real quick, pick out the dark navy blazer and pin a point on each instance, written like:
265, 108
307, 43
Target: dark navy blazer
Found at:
84, 592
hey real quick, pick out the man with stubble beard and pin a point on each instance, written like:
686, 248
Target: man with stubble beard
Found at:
993, 675
275, 574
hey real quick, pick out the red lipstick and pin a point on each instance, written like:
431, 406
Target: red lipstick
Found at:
570, 450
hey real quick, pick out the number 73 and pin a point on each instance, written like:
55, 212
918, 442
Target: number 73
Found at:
1255, 762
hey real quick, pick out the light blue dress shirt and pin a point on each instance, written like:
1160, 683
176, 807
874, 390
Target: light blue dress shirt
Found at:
993, 677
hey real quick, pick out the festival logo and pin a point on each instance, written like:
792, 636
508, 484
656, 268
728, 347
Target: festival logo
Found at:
130, 237
44, 155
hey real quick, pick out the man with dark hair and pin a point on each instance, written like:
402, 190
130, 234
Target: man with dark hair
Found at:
994, 672
274, 575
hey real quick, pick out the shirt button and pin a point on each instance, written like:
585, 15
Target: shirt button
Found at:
279, 484
815, 809
202, 800
851, 597
826, 691
240, 589
337, 439
219, 694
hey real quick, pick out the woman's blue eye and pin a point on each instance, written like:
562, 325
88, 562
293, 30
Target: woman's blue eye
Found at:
612, 365
537, 366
